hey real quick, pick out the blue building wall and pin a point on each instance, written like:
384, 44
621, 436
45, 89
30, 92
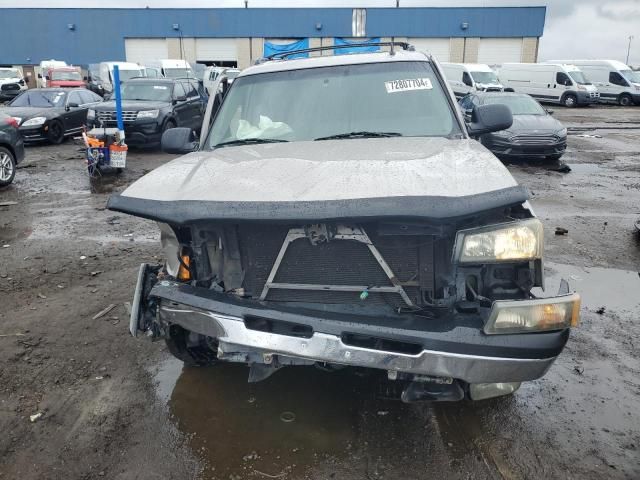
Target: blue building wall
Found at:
99, 33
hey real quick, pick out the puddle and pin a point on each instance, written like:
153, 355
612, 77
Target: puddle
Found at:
297, 417
616, 290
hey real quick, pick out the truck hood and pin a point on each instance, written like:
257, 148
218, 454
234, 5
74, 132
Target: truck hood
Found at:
413, 177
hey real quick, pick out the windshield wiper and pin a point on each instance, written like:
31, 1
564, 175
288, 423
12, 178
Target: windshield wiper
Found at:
249, 141
340, 136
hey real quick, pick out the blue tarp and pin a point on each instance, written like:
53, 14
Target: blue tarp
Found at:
343, 51
272, 48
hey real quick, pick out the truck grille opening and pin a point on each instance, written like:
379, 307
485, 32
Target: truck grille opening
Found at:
262, 324
382, 344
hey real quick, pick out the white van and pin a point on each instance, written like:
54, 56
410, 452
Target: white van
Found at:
550, 82
126, 71
616, 82
465, 78
169, 68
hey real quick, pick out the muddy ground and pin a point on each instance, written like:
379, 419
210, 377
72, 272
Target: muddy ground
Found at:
116, 407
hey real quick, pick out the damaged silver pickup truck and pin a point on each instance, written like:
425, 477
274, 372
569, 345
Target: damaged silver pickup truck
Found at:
338, 213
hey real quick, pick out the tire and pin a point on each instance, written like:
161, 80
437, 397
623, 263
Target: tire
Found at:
625, 100
193, 349
55, 134
168, 125
7, 167
570, 101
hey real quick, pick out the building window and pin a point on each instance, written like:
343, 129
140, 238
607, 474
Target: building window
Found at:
359, 22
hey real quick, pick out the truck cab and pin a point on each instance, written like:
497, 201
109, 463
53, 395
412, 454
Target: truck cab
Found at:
63, 77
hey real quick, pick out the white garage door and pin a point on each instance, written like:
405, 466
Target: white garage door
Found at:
141, 50
495, 51
438, 47
216, 50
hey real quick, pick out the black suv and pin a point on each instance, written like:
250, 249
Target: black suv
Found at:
151, 106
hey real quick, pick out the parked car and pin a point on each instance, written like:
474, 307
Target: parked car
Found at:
51, 114
550, 83
151, 106
11, 149
465, 78
100, 76
63, 77
534, 131
339, 214
615, 81
12, 83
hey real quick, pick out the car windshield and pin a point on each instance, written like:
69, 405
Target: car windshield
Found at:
519, 104
129, 74
631, 76
485, 77
376, 99
66, 75
40, 98
179, 73
9, 74
579, 78
145, 91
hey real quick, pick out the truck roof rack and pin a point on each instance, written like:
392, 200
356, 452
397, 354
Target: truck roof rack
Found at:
285, 55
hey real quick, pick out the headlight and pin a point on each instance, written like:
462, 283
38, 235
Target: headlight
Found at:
91, 114
522, 316
17, 119
521, 240
562, 133
34, 121
148, 114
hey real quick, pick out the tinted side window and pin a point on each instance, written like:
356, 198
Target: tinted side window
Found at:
466, 79
86, 97
74, 97
178, 90
616, 79
190, 89
467, 102
563, 79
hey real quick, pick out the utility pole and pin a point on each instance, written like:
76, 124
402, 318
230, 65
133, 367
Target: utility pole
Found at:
629, 48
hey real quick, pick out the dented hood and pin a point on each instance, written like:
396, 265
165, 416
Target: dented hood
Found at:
401, 176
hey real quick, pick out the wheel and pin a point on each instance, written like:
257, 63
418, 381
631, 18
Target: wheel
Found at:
168, 125
625, 100
7, 167
56, 132
570, 101
193, 349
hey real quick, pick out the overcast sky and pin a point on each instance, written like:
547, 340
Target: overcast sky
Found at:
574, 28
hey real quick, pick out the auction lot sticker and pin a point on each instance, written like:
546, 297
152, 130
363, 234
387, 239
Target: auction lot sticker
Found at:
408, 84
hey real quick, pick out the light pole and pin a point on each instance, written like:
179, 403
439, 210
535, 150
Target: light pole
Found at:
629, 48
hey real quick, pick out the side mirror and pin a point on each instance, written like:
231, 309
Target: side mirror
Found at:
550, 112
46, 77
86, 79
178, 140
71, 105
181, 98
39, 75
489, 118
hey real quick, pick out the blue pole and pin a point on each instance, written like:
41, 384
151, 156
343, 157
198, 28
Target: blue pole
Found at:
116, 90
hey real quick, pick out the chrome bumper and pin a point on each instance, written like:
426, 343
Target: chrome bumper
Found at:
232, 333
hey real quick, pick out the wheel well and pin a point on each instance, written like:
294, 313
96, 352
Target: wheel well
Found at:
10, 148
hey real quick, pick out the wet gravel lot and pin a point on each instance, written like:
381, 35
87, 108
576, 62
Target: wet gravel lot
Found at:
115, 407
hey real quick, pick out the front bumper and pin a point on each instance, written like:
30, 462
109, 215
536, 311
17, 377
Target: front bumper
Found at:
37, 133
138, 133
588, 98
506, 148
454, 346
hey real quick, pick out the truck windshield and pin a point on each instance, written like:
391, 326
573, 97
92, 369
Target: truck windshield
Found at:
631, 76
377, 99
178, 73
146, 92
40, 98
66, 75
485, 77
518, 104
9, 74
579, 78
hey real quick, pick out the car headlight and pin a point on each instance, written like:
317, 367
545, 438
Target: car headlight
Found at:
562, 132
91, 114
522, 316
148, 114
517, 241
34, 121
17, 119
